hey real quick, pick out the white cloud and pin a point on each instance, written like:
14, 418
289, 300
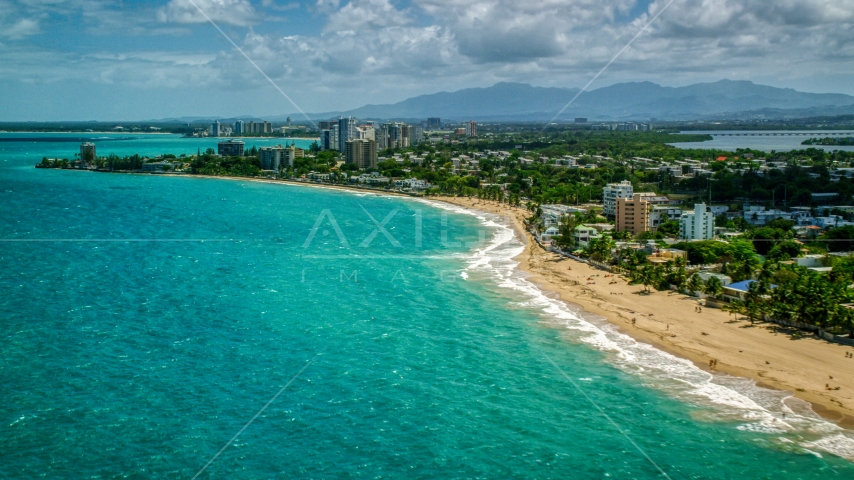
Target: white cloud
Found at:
277, 6
20, 29
367, 15
512, 31
233, 12
371, 45
379, 51
327, 6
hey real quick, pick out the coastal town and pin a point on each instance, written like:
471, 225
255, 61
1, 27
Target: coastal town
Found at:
725, 227
255, 239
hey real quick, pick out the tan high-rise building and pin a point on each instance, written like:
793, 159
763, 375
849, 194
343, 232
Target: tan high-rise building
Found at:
632, 214
362, 153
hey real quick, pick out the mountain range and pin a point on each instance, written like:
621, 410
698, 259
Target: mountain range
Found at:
624, 101
639, 101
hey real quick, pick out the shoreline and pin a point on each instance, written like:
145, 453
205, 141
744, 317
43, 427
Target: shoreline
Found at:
157, 133
289, 182
663, 320
668, 322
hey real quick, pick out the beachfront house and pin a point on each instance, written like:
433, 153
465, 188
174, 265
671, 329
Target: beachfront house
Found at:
665, 255
412, 184
583, 234
160, 167
738, 291
705, 276
548, 234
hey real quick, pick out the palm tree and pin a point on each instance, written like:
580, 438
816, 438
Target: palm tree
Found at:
601, 247
679, 278
646, 276
566, 229
734, 308
743, 269
713, 287
695, 284
591, 216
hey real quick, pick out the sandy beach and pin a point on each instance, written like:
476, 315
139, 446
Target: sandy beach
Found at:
669, 321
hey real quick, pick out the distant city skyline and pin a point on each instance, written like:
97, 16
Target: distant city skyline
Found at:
106, 60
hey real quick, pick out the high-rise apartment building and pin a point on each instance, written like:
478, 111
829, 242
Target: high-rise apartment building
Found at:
471, 128
346, 131
365, 132
399, 135
381, 137
362, 153
87, 152
612, 192
291, 154
250, 127
230, 148
216, 129
329, 138
271, 157
434, 123
417, 134
697, 224
239, 127
632, 215
405, 135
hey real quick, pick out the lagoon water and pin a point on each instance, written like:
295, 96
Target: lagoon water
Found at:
781, 140
146, 319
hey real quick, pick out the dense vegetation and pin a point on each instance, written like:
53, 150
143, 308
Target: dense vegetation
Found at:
841, 141
782, 291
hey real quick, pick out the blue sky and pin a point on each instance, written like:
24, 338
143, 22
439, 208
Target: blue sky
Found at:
131, 60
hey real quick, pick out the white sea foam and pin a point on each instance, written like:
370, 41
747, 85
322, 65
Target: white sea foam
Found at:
757, 409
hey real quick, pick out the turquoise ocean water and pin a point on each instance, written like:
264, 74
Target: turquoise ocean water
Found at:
146, 319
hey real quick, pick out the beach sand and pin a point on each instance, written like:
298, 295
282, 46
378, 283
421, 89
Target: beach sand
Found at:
669, 321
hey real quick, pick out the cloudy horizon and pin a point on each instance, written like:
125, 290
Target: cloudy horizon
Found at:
116, 60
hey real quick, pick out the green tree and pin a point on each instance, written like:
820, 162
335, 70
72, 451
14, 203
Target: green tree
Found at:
648, 276
840, 239
600, 248
566, 231
784, 250
695, 284
713, 287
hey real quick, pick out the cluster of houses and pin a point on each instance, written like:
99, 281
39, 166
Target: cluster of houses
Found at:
807, 225
373, 179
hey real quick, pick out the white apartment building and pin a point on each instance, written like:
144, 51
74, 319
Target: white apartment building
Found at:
698, 224
612, 192
366, 132
272, 158
412, 184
